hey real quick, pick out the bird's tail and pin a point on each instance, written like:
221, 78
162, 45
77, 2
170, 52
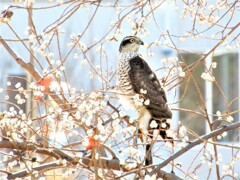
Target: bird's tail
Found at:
162, 126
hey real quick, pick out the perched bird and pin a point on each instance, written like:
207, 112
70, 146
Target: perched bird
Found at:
141, 89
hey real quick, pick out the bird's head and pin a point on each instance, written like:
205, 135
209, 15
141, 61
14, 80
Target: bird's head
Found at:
130, 44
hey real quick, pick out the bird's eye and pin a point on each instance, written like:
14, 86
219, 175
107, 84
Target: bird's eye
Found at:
132, 40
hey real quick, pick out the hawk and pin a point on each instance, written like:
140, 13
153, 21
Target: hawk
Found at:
141, 89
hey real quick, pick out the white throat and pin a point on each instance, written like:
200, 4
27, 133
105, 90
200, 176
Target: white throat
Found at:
127, 55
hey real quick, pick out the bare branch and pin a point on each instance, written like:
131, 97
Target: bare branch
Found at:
195, 143
30, 69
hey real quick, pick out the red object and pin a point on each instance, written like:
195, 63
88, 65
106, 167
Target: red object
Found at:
91, 143
44, 82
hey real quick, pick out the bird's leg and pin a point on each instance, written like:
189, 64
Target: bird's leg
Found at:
137, 133
143, 122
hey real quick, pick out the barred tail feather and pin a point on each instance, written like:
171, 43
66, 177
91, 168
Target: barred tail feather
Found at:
162, 130
163, 134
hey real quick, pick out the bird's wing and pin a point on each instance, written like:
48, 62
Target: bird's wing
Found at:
142, 77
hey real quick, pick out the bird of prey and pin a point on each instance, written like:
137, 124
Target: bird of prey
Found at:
141, 89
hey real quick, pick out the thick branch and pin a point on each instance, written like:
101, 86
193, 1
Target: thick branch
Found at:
24, 146
29, 68
195, 143
113, 164
45, 167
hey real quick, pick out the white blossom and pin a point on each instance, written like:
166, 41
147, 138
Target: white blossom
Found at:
195, 177
62, 68
115, 115
18, 85
122, 114
182, 39
208, 77
147, 102
75, 56
153, 124
21, 101
17, 97
60, 2
148, 177
131, 165
9, 83
131, 120
230, 119
182, 130
214, 65
182, 74
164, 125
143, 91
224, 134
218, 113
138, 100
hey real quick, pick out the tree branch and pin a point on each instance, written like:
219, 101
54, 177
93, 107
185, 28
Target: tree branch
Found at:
195, 143
105, 163
30, 69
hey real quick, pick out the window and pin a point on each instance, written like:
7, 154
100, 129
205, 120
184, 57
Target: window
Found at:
190, 99
222, 95
227, 77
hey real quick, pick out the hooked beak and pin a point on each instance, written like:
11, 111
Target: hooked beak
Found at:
140, 42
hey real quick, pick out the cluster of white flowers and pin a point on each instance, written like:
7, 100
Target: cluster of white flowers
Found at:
139, 25
208, 77
182, 131
214, 65
16, 123
219, 115
37, 90
153, 177
130, 165
170, 133
132, 156
139, 101
228, 169
224, 134
74, 38
142, 91
68, 173
23, 94
181, 73
153, 124
205, 14
170, 60
173, 67
19, 99
60, 2
84, 61
128, 131
230, 119
29, 3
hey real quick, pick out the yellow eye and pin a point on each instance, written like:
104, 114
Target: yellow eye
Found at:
132, 40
